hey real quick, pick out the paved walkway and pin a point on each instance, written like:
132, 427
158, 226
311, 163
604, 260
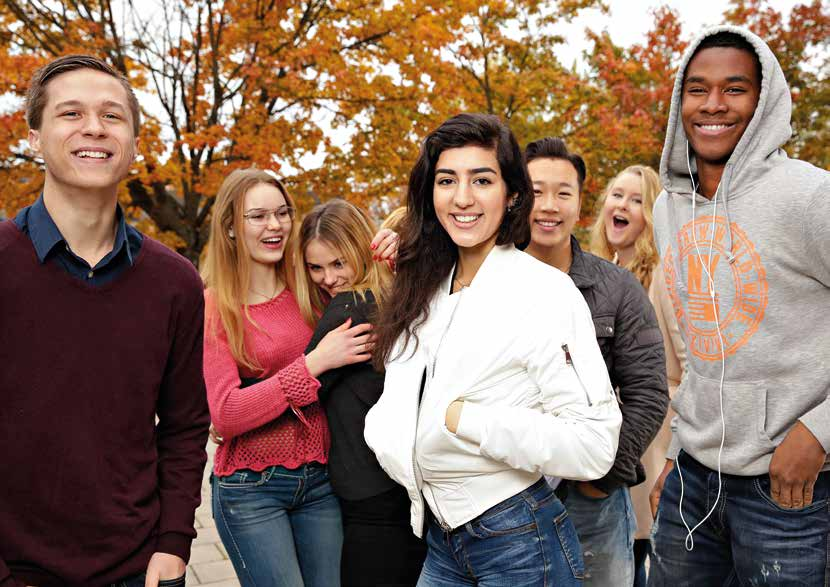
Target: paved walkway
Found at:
209, 564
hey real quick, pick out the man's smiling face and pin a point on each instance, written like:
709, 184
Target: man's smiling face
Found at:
86, 133
720, 93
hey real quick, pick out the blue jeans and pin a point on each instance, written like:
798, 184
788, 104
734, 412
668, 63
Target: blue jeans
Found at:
606, 528
527, 540
281, 527
748, 540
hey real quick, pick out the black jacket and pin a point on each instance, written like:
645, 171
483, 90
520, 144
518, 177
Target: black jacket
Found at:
632, 346
347, 394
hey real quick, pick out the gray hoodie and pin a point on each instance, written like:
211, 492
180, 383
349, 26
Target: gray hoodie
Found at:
770, 261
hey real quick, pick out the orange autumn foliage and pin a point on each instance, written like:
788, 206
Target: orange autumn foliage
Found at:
352, 86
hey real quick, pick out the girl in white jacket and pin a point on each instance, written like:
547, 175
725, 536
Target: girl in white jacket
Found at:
489, 384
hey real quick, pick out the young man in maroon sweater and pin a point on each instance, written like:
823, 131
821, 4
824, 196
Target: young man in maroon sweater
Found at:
104, 415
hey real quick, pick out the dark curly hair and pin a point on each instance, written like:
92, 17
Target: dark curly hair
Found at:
426, 254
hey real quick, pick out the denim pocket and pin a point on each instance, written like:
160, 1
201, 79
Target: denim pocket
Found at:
576, 490
820, 496
516, 518
179, 582
569, 541
242, 479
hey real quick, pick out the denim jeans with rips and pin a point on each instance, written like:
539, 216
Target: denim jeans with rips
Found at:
606, 528
748, 540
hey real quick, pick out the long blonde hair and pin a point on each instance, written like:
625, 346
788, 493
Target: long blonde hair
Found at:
645, 251
395, 219
348, 229
226, 268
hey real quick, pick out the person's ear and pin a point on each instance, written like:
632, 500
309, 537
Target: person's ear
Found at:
231, 234
34, 140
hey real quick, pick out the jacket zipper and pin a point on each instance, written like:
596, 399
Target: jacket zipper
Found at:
569, 361
444, 526
414, 471
424, 506
444, 334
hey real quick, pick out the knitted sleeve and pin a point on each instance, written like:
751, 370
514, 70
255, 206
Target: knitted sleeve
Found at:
235, 410
183, 421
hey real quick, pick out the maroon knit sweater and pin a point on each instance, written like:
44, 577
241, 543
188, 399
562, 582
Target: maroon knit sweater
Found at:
90, 485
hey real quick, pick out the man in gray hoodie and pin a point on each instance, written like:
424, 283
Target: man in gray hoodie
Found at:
744, 236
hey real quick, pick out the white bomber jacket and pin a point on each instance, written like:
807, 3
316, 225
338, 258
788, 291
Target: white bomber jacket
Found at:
518, 347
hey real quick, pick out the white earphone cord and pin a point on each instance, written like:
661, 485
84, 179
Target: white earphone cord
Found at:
690, 541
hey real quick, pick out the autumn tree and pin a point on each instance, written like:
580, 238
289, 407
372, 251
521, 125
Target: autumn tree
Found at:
495, 57
237, 84
356, 84
802, 45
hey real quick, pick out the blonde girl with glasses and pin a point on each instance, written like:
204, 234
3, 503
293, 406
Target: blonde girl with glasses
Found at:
272, 500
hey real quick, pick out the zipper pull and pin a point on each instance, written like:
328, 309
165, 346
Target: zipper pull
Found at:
568, 359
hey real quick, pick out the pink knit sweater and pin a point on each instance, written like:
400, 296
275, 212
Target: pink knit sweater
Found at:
278, 421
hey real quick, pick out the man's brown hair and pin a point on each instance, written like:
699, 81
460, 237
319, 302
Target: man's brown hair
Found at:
36, 96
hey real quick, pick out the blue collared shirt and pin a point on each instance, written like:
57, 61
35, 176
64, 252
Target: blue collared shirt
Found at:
50, 246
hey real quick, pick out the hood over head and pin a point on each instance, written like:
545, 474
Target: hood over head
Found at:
760, 145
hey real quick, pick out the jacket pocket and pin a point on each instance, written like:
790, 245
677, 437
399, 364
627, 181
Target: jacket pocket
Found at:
571, 365
779, 408
698, 407
604, 327
482, 391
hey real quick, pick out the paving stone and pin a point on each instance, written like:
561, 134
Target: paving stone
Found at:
204, 521
207, 536
209, 564
205, 553
214, 571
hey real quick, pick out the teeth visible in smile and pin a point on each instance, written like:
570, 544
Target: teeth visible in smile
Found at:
470, 218
273, 240
92, 154
715, 126
549, 223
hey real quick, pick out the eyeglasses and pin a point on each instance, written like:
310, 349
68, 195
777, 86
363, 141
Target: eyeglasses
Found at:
260, 216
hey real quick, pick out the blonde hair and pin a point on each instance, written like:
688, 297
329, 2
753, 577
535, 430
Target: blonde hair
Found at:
227, 261
349, 230
395, 219
645, 251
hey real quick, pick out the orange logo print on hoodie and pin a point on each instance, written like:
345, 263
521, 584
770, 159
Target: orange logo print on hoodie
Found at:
741, 312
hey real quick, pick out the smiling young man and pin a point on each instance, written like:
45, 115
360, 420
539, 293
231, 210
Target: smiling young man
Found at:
104, 415
744, 234
632, 347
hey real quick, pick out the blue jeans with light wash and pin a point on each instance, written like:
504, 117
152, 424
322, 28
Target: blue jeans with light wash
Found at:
526, 540
281, 527
748, 540
606, 528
